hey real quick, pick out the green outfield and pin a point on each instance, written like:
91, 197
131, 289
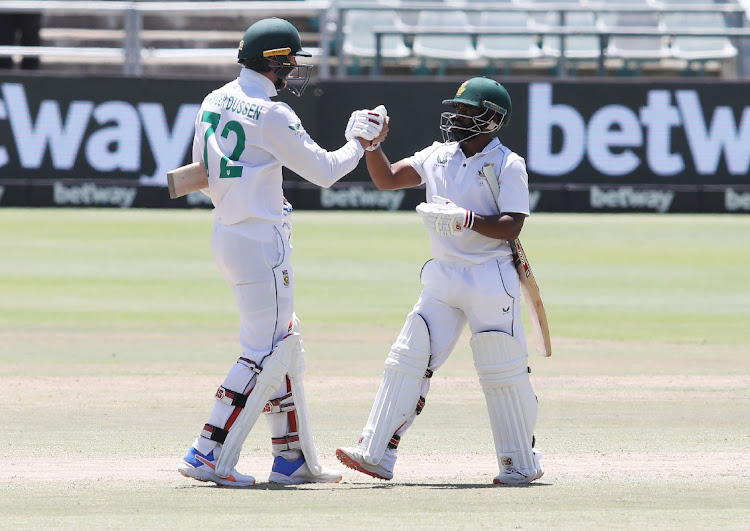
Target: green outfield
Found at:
116, 329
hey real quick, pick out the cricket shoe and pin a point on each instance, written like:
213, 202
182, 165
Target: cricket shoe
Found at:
512, 476
203, 468
354, 459
296, 472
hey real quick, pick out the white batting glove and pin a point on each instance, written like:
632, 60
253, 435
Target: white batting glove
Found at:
382, 113
364, 124
445, 218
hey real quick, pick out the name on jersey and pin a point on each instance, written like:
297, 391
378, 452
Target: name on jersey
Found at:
236, 105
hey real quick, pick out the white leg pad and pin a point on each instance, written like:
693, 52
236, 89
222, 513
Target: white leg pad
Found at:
400, 388
306, 440
501, 364
275, 368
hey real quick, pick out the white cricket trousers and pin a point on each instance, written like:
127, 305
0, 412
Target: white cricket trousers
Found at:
254, 259
486, 296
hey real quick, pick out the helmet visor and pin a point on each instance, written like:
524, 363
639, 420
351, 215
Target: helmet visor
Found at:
294, 76
457, 127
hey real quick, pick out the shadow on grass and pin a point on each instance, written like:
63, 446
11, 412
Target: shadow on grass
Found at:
368, 486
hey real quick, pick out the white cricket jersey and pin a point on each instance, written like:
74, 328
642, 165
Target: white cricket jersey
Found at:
447, 172
244, 139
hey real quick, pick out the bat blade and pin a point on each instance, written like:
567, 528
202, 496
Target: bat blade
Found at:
533, 296
187, 179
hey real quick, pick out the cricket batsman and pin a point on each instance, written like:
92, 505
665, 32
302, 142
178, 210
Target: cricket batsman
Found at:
244, 138
472, 279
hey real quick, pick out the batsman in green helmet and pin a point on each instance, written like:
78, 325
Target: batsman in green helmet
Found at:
272, 45
244, 138
477, 201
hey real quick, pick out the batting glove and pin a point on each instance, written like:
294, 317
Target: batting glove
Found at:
382, 113
444, 217
364, 124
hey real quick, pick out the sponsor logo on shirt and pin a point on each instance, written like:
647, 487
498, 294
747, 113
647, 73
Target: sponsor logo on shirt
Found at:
442, 163
297, 128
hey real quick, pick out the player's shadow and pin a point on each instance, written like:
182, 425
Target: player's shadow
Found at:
449, 486
371, 486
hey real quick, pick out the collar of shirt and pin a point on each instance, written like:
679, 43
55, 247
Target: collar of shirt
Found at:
493, 145
251, 80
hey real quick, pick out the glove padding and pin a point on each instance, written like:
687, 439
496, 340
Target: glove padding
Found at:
365, 124
445, 218
382, 111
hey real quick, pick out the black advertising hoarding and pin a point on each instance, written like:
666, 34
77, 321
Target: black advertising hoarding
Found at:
632, 145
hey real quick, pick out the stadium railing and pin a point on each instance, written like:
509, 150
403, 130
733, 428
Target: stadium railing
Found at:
562, 10
133, 53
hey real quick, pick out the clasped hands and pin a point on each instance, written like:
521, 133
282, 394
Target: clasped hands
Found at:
444, 217
371, 126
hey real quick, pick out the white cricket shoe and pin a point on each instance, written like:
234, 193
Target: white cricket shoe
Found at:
354, 459
296, 472
513, 476
203, 468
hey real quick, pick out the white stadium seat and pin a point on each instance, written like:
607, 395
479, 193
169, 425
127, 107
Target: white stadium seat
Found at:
359, 37
698, 48
507, 46
447, 47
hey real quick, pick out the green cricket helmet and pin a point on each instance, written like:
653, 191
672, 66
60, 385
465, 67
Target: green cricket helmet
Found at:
268, 45
482, 93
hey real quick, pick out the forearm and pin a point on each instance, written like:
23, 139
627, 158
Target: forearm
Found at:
380, 170
502, 227
327, 167
387, 176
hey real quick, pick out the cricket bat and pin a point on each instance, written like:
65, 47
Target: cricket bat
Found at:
187, 179
533, 297
529, 287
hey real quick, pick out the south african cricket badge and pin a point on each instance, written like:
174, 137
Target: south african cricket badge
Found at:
285, 273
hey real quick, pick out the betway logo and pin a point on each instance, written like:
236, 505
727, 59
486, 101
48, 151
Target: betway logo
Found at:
614, 130
89, 194
734, 201
113, 145
358, 197
630, 198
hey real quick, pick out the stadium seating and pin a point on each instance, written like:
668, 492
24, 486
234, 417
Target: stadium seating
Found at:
443, 49
577, 47
187, 39
507, 48
359, 37
634, 51
699, 48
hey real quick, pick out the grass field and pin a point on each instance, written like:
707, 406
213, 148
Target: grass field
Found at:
115, 330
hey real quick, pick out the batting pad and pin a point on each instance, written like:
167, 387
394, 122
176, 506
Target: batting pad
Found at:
399, 391
296, 373
503, 373
275, 368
